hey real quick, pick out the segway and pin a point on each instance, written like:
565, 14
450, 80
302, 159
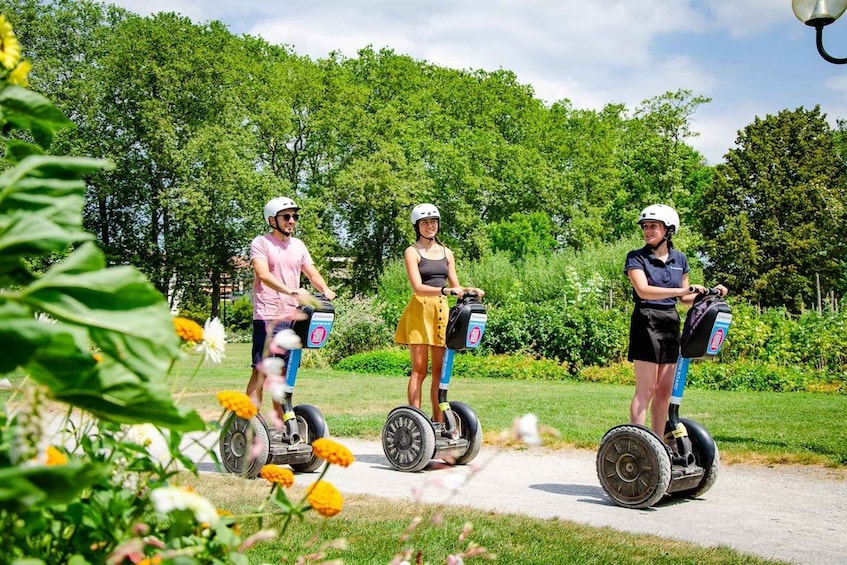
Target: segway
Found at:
635, 467
409, 439
248, 445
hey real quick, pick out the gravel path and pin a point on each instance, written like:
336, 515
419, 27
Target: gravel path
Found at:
794, 514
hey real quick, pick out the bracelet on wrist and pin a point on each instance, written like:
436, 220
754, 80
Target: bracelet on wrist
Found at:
443, 289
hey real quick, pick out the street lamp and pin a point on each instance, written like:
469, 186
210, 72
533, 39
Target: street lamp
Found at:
820, 13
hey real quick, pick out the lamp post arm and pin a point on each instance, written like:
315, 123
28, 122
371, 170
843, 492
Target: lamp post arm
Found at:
822, 51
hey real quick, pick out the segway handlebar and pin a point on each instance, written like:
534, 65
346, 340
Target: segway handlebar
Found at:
709, 291
468, 296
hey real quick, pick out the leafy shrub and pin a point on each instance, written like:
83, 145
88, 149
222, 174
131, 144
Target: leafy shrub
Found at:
393, 293
519, 367
499, 277
386, 362
621, 373
397, 362
818, 340
578, 334
196, 310
747, 376
358, 326
239, 315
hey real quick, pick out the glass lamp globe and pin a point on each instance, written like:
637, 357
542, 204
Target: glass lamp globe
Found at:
818, 12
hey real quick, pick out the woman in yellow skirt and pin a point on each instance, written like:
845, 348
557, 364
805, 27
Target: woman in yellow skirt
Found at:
430, 266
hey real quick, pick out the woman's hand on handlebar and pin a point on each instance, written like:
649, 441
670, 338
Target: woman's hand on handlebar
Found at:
698, 289
462, 291
473, 290
716, 290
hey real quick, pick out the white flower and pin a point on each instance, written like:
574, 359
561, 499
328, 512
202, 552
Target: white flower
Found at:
287, 339
214, 341
278, 391
272, 366
153, 439
167, 499
526, 429
143, 434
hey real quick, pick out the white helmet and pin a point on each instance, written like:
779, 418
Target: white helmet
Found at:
661, 213
424, 211
273, 207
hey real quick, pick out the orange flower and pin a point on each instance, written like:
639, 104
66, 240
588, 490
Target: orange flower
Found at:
189, 330
228, 517
332, 452
155, 560
227, 514
55, 457
324, 498
237, 402
277, 475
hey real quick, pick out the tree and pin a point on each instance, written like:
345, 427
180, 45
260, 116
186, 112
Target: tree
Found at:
656, 165
523, 235
773, 219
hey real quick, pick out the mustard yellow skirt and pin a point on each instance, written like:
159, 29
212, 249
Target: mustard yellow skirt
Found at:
424, 321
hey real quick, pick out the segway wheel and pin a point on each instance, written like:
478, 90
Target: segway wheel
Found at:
244, 445
312, 426
706, 455
469, 429
633, 466
408, 439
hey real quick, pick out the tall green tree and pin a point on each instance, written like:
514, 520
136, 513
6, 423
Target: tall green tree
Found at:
773, 220
656, 165
523, 235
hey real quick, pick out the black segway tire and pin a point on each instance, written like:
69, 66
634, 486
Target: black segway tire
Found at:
706, 455
408, 439
633, 466
312, 426
239, 440
470, 430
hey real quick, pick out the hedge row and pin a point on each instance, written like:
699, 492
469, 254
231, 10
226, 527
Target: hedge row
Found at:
706, 374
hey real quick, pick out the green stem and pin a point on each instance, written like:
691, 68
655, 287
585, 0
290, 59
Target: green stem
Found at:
193, 374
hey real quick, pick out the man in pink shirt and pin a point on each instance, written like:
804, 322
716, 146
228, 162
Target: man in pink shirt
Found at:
278, 259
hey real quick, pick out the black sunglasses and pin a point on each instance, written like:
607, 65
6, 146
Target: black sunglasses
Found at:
287, 217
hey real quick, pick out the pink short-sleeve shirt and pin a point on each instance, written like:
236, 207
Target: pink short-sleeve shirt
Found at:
286, 260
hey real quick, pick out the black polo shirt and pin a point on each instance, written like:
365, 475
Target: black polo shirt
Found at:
659, 273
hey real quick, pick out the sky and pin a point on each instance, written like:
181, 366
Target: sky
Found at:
753, 58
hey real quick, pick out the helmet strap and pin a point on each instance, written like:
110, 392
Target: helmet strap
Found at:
275, 226
666, 239
418, 234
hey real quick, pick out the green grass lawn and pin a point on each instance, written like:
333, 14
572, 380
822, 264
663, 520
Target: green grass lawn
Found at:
372, 528
754, 427
758, 427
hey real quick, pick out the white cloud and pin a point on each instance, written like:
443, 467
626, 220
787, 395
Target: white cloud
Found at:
744, 18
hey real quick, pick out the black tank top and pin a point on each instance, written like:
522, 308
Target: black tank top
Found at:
433, 271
